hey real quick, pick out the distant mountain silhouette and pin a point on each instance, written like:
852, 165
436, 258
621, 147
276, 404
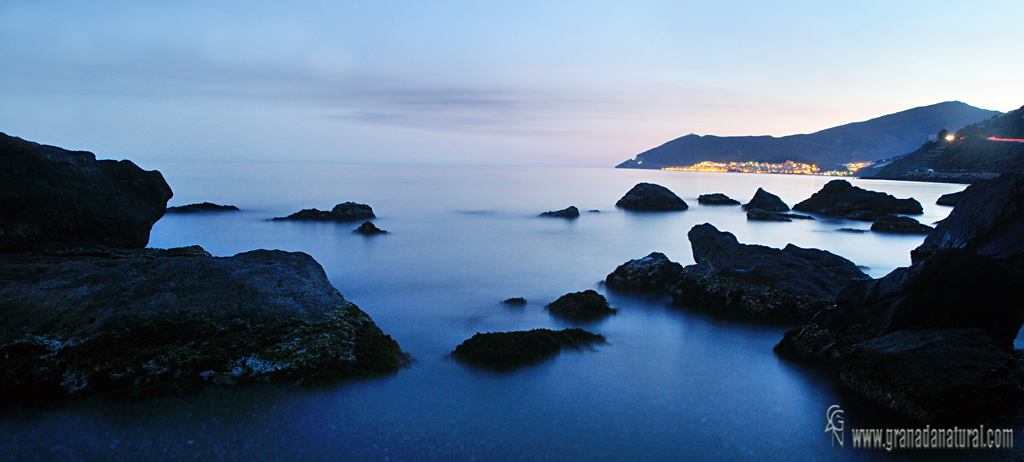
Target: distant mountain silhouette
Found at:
970, 156
880, 138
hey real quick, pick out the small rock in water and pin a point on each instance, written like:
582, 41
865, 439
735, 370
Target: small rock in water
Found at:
515, 301
368, 229
570, 212
581, 306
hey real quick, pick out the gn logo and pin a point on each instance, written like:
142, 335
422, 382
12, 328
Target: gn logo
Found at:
835, 423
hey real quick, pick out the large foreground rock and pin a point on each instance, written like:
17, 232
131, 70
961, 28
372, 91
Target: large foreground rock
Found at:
512, 350
988, 219
840, 198
755, 281
764, 200
344, 212
934, 375
650, 275
151, 322
51, 198
647, 197
953, 288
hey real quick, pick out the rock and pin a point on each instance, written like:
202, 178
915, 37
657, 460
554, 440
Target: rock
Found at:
151, 322
593, 211
952, 289
949, 199
716, 199
852, 230
351, 211
368, 229
56, 198
580, 306
651, 197
763, 215
203, 207
766, 201
511, 350
515, 301
988, 219
934, 375
840, 198
649, 275
899, 225
571, 212
348, 211
758, 282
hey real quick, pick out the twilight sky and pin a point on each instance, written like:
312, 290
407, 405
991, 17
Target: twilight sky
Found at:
457, 82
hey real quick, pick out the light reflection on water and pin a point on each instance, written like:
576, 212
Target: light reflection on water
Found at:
669, 384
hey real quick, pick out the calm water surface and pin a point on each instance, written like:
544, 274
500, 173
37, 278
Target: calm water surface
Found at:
669, 385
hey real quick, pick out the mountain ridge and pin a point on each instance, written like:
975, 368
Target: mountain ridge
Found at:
869, 140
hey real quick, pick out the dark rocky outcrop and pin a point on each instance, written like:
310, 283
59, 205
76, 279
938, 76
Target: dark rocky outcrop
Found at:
953, 288
647, 197
758, 282
56, 198
988, 219
949, 199
514, 301
716, 199
369, 229
899, 225
344, 212
580, 306
570, 212
203, 207
650, 275
511, 350
934, 375
151, 322
840, 198
766, 201
763, 215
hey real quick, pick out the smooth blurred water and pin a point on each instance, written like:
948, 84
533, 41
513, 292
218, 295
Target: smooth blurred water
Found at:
669, 385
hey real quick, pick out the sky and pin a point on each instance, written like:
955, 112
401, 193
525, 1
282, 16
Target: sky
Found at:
560, 83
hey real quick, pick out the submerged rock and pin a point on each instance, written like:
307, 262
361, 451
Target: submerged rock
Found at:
763, 215
766, 201
512, 350
650, 275
152, 322
369, 229
344, 212
651, 197
571, 212
840, 198
934, 375
949, 199
514, 301
716, 199
754, 281
56, 198
988, 219
203, 207
581, 306
900, 225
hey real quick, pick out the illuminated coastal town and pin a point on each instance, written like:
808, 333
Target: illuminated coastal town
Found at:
789, 167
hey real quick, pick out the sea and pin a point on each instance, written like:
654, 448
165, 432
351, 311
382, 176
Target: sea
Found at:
669, 385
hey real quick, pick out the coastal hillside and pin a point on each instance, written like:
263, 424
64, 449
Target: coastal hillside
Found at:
975, 152
878, 138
